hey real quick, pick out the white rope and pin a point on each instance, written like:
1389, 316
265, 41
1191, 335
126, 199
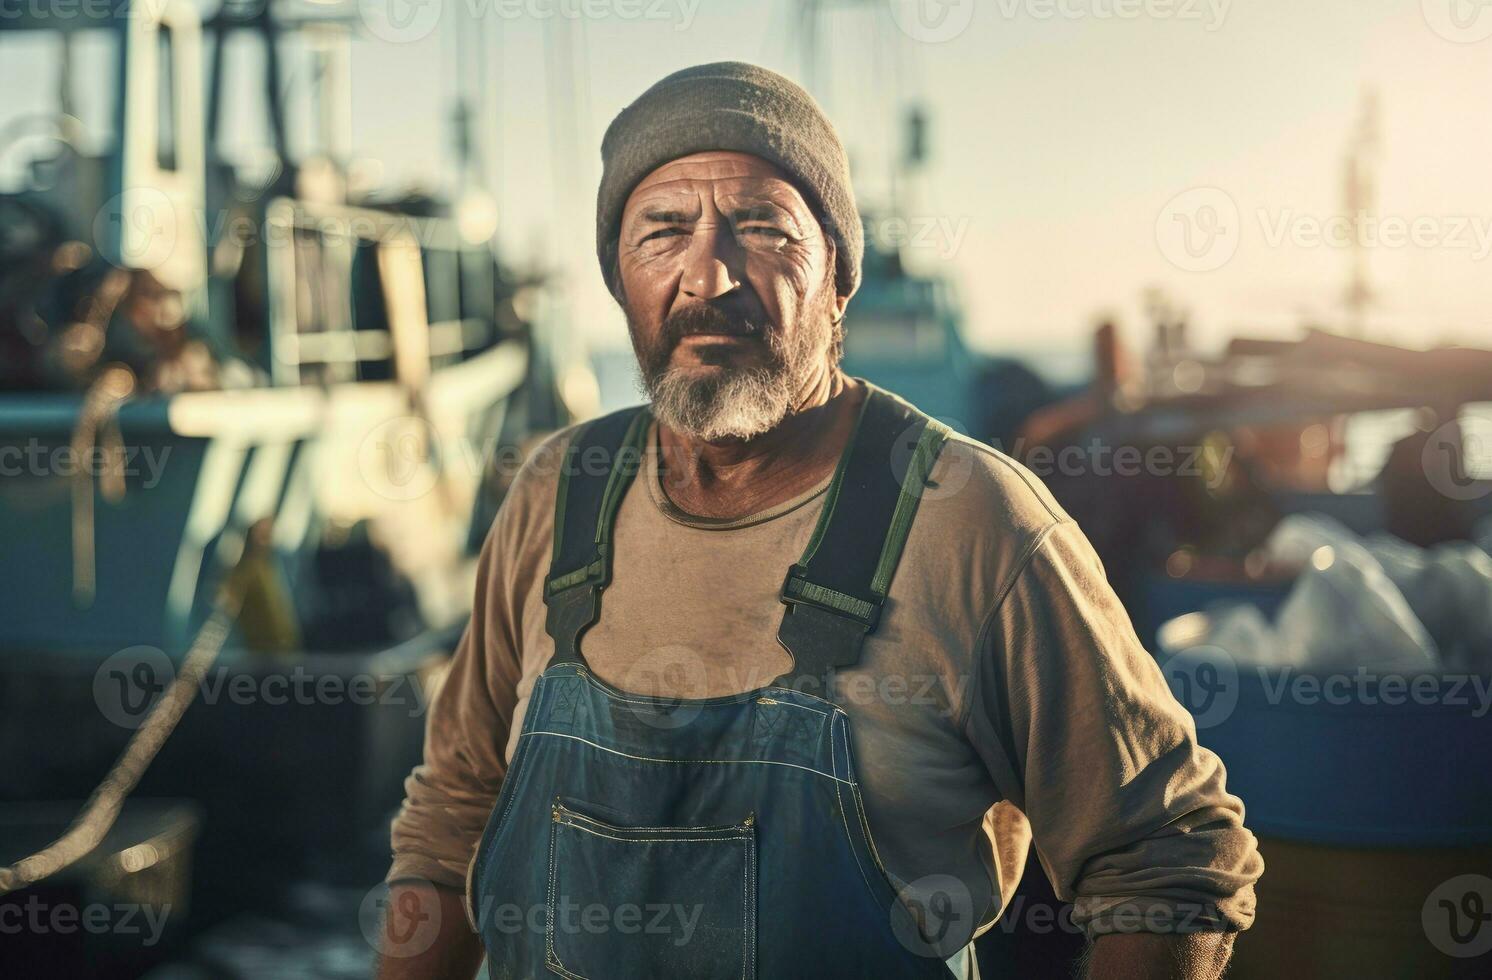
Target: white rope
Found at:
103, 807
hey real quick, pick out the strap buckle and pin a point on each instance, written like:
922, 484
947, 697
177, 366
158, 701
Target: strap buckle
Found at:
823, 628
798, 590
574, 604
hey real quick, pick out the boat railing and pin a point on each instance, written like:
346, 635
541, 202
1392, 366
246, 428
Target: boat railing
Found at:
436, 293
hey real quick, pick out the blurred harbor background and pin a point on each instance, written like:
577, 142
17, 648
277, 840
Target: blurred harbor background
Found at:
288, 288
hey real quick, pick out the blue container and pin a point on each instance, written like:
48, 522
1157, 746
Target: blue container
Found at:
1165, 598
1350, 758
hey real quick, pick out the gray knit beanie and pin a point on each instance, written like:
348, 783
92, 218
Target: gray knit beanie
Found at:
730, 105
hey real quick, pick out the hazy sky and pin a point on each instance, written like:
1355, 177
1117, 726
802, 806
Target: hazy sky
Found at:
1065, 137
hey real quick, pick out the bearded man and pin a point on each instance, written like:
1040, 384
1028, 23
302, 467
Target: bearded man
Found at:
848, 666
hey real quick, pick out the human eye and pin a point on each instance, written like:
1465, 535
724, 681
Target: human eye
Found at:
661, 233
761, 228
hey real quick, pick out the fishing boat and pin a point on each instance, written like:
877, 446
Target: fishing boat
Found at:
219, 379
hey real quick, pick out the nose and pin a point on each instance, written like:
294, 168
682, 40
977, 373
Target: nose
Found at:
712, 266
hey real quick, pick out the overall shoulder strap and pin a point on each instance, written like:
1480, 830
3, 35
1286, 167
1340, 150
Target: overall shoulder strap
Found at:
600, 463
835, 591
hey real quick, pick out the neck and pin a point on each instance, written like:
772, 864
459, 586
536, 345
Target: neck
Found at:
729, 478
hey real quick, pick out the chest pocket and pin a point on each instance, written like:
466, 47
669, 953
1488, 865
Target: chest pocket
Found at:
650, 902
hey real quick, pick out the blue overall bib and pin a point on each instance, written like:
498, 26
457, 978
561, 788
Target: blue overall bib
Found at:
705, 838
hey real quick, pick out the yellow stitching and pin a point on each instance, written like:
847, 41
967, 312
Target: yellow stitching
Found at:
718, 762
660, 830
800, 707
748, 868
650, 840
834, 758
619, 695
745, 881
870, 840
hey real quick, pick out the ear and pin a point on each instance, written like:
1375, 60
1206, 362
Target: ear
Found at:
840, 302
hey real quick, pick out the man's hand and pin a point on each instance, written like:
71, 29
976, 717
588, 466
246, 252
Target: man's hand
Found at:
425, 936
1151, 956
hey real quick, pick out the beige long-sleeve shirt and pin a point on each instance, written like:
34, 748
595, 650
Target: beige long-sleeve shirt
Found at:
1003, 700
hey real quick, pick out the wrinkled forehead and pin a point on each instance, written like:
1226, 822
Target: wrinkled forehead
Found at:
730, 179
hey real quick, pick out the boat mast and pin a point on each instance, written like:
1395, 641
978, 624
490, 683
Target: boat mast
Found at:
1360, 200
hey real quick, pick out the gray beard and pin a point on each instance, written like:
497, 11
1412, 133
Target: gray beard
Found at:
740, 404
743, 403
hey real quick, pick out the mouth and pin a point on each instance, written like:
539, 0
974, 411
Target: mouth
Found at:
715, 338
718, 350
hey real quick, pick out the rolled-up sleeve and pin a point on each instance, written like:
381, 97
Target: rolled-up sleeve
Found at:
1130, 817
449, 796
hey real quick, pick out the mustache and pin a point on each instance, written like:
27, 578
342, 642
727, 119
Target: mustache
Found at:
711, 318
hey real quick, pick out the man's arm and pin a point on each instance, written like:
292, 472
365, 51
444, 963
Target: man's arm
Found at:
442, 947
449, 797
1147, 956
1131, 818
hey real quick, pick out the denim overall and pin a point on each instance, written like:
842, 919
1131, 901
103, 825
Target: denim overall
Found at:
705, 838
